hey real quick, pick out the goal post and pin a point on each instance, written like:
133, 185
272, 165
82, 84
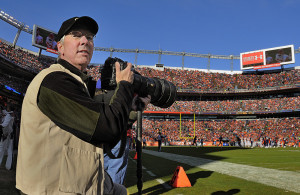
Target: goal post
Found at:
182, 134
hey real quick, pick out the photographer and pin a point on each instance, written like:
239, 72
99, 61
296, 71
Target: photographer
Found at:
63, 128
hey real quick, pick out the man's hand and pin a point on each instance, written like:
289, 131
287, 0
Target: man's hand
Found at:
144, 100
124, 75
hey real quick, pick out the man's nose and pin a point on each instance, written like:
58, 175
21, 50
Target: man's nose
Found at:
83, 40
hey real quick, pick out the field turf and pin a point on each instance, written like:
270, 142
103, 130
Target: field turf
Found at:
210, 182
158, 172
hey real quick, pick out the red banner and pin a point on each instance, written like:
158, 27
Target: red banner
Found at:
52, 51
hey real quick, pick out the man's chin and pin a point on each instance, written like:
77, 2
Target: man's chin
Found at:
84, 65
84, 61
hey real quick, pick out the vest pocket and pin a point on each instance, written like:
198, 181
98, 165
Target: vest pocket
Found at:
79, 170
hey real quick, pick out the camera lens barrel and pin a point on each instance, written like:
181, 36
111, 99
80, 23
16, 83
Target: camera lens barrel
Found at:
167, 96
163, 93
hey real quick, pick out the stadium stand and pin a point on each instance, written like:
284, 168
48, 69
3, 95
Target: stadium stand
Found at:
276, 130
261, 108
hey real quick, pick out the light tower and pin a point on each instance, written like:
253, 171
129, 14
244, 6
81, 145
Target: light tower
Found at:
14, 22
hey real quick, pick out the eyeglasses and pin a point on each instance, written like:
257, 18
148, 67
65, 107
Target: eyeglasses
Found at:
77, 35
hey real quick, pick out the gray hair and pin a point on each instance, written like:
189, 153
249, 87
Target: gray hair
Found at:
62, 42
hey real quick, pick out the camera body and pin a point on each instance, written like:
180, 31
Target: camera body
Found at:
162, 92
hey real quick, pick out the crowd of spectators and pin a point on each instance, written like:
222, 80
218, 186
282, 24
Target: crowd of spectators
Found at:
183, 79
93, 71
194, 80
24, 59
208, 81
276, 130
17, 84
252, 105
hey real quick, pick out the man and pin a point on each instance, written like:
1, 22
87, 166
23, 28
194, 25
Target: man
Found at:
269, 59
281, 56
7, 137
195, 141
201, 142
50, 42
144, 142
220, 141
159, 141
38, 37
63, 128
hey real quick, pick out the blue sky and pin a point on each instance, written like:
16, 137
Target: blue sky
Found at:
219, 27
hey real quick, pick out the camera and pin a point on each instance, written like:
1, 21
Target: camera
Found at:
163, 92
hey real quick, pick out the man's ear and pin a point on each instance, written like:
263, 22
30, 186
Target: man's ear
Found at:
60, 48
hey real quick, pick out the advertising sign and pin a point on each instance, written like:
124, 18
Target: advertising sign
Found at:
267, 58
44, 39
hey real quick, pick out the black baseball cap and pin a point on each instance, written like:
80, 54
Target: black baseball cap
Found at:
84, 21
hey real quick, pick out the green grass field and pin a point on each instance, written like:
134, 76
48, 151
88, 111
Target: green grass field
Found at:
210, 182
158, 171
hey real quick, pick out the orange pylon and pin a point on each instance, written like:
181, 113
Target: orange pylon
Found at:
135, 157
180, 179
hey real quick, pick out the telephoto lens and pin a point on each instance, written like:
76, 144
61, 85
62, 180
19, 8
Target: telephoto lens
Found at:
163, 93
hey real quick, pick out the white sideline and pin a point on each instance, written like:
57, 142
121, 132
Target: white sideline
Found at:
165, 185
287, 180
